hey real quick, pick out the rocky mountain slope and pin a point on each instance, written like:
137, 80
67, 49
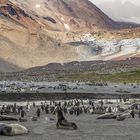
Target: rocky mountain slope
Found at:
66, 15
34, 33
7, 67
114, 71
99, 66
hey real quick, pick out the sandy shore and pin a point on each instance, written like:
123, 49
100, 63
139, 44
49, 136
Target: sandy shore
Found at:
88, 129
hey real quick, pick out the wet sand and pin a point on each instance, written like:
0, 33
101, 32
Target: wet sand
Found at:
88, 129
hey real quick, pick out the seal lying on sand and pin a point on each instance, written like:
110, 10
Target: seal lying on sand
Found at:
62, 123
12, 129
7, 118
34, 118
124, 115
107, 116
22, 120
118, 116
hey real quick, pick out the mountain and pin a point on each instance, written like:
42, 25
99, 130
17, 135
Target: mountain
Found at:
34, 33
66, 14
25, 42
7, 67
82, 71
128, 10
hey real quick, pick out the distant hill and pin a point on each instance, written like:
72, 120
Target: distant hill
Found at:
7, 67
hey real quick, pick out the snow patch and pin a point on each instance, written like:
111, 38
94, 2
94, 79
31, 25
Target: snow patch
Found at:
37, 6
62, 19
67, 26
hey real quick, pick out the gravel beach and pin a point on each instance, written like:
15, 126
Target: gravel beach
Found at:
89, 128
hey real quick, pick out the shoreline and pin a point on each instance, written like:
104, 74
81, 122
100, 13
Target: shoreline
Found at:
64, 96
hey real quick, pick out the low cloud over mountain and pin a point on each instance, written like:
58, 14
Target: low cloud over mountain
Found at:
121, 10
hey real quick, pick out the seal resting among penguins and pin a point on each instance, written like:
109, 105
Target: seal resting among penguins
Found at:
62, 123
7, 118
107, 116
123, 116
22, 120
12, 129
117, 116
34, 118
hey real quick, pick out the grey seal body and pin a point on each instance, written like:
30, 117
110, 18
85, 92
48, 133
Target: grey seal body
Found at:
12, 129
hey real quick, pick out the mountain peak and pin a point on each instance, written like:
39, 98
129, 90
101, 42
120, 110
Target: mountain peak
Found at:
38, 32
66, 14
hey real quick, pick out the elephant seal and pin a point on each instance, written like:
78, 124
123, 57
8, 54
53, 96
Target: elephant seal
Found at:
117, 116
62, 123
4, 129
120, 118
22, 120
12, 129
67, 125
7, 118
124, 115
107, 116
34, 118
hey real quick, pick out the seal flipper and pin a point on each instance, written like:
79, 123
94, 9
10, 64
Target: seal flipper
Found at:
74, 126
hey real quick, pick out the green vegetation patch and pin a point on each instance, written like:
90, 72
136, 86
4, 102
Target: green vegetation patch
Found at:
133, 76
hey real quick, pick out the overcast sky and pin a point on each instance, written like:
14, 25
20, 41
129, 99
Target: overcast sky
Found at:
126, 12
100, 1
